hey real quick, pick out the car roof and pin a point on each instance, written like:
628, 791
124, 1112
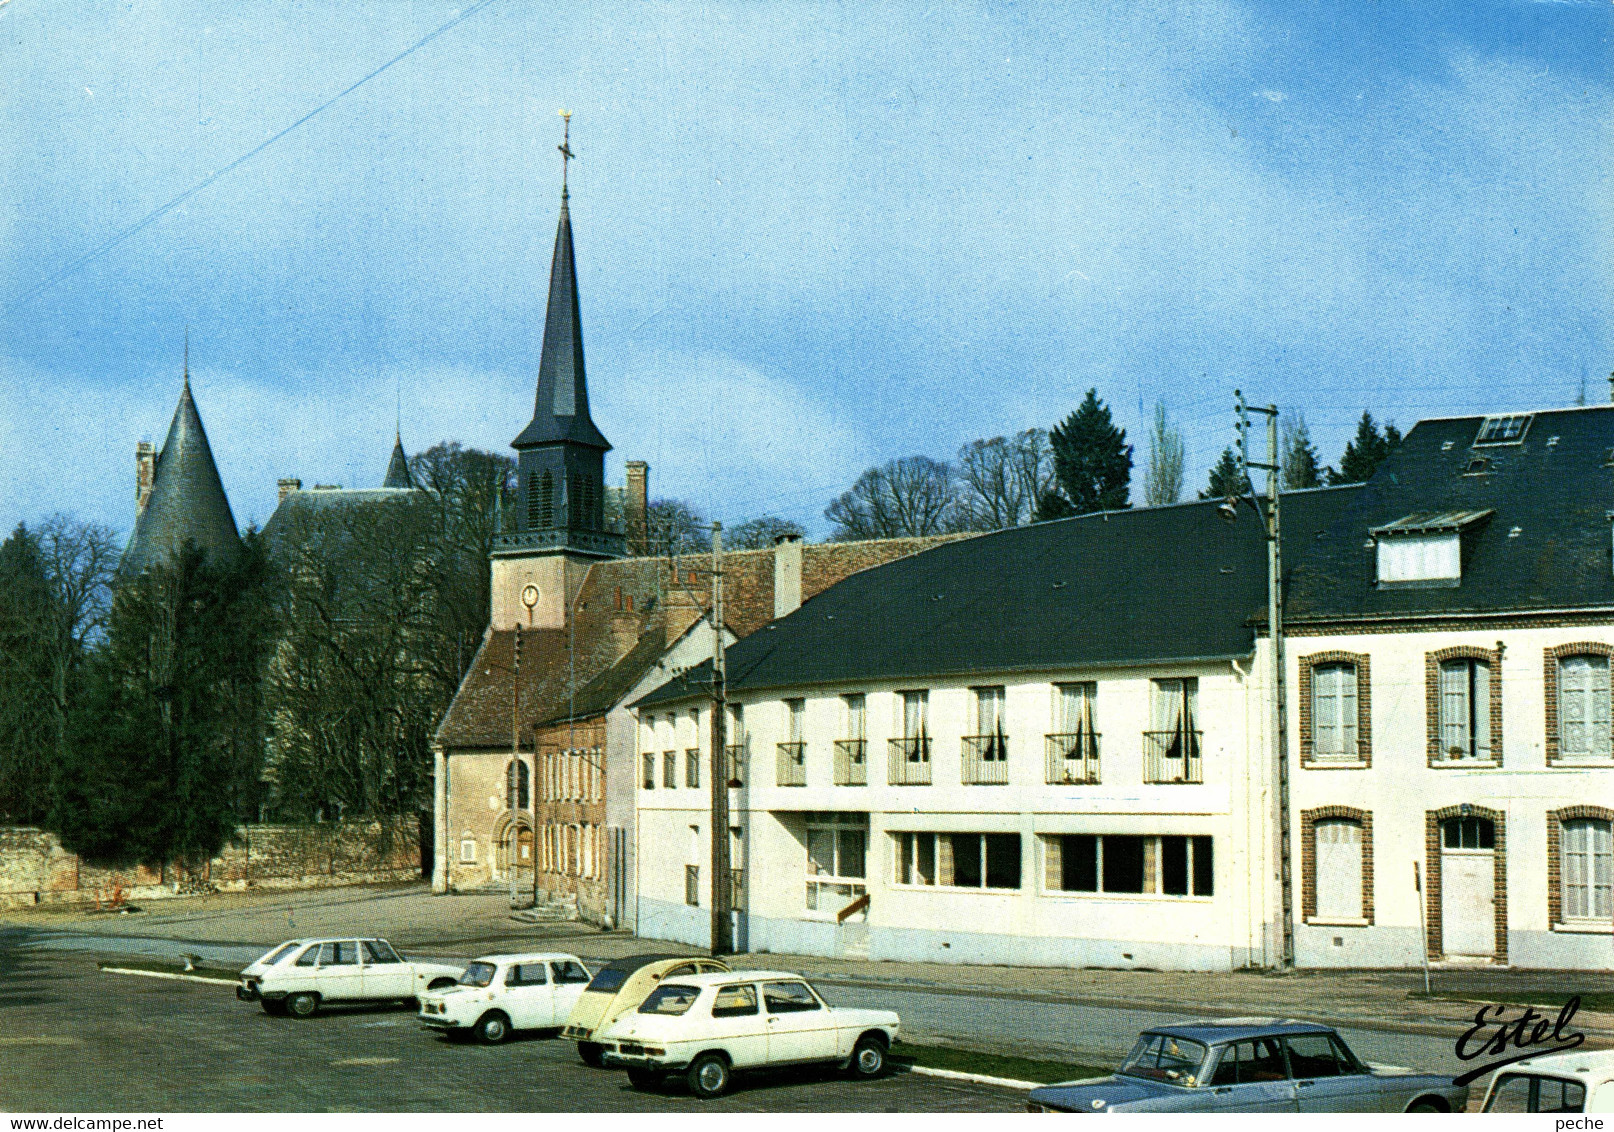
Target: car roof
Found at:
634, 962
527, 957
330, 939
1213, 1030
1584, 1065
713, 978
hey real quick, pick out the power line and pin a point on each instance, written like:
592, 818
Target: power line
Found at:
163, 210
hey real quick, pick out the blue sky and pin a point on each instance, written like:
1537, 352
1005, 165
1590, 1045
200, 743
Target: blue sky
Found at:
810, 237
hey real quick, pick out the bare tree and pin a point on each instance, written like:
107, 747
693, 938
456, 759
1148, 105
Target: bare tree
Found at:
1000, 480
676, 527
761, 533
1162, 483
909, 497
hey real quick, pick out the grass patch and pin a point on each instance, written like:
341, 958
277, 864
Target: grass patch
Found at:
1600, 1001
991, 1064
172, 967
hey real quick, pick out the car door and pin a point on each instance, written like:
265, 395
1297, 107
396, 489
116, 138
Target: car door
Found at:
1326, 1081
528, 997
1528, 1092
339, 975
738, 1024
1251, 1076
384, 974
800, 1028
568, 980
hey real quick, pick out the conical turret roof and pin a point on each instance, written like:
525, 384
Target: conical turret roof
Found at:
187, 501
398, 467
561, 411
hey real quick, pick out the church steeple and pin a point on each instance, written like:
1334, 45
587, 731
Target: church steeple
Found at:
561, 464
398, 467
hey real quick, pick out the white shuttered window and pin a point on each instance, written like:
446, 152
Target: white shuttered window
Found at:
1333, 711
1339, 869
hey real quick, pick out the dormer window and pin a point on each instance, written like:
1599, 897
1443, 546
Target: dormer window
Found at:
1508, 429
1423, 549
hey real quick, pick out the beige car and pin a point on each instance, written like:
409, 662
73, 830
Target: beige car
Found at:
618, 988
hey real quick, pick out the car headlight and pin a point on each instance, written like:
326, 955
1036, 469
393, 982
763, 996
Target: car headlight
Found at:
1098, 1102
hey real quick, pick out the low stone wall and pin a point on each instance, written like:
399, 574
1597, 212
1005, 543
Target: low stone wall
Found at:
35, 869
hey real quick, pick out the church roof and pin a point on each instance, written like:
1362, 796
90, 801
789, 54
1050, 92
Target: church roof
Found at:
561, 410
398, 468
187, 501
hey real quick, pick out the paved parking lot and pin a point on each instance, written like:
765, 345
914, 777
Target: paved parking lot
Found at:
73, 1039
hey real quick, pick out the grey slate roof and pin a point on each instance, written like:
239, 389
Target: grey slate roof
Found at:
560, 412
187, 501
1117, 588
1554, 490
310, 504
398, 468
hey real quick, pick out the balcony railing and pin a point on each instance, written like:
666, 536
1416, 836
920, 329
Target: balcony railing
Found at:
736, 761
792, 764
986, 760
909, 761
1172, 756
851, 762
1073, 758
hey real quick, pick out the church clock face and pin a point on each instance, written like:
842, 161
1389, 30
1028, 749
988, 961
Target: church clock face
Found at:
529, 595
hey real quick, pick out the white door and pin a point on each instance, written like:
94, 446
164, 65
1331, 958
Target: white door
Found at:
738, 1024
385, 975
528, 998
568, 980
1468, 902
799, 1028
339, 974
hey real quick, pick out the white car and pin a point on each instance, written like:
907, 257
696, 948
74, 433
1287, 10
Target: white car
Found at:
301, 974
708, 1026
501, 993
1579, 1081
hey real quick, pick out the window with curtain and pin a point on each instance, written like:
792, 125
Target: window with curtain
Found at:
990, 724
1339, 869
1588, 870
1073, 708
1333, 711
1465, 709
854, 720
837, 860
1128, 864
1583, 707
958, 860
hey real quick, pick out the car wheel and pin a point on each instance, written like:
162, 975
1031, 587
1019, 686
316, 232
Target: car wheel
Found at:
303, 1004
493, 1028
276, 1007
644, 1080
439, 984
708, 1075
1426, 1106
868, 1057
591, 1053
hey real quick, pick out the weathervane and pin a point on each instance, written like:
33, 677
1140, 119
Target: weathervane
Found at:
565, 148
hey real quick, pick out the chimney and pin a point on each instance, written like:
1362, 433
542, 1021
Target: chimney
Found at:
145, 474
288, 486
637, 510
786, 575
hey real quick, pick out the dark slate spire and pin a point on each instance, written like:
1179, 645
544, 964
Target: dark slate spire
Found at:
561, 411
398, 467
187, 501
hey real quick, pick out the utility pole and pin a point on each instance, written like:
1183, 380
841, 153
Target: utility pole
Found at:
722, 941
513, 783
1280, 713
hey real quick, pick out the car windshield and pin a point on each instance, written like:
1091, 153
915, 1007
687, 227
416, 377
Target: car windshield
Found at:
278, 954
670, 998
478, 975
1161, 1057
609, 979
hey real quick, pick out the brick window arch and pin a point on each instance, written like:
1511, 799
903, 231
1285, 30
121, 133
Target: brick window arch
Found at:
1431, 885
1461, 713
1330, 682
1553, 662
1556, 820
1309, 820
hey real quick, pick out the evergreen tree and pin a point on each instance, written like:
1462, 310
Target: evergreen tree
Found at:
1227, 479
1092, 462
1300, 467
1163, 482
164, 749
27, 732
1366, 452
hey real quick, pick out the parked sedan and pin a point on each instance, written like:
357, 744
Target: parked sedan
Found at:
1250, 1065
501, 993
617, 988
708, 1026
1580, 1081
300, 975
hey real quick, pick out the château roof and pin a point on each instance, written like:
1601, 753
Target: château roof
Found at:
398, 468
187, 501
561, 409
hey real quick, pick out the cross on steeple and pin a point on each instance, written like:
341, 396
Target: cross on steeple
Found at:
565, 148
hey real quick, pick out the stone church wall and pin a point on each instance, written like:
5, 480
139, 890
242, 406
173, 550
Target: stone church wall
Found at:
35, 869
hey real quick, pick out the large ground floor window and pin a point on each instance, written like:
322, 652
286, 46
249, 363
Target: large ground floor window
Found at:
837, 860
958, 860
1129, 864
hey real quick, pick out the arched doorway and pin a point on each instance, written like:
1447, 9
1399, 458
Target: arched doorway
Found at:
514, 850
